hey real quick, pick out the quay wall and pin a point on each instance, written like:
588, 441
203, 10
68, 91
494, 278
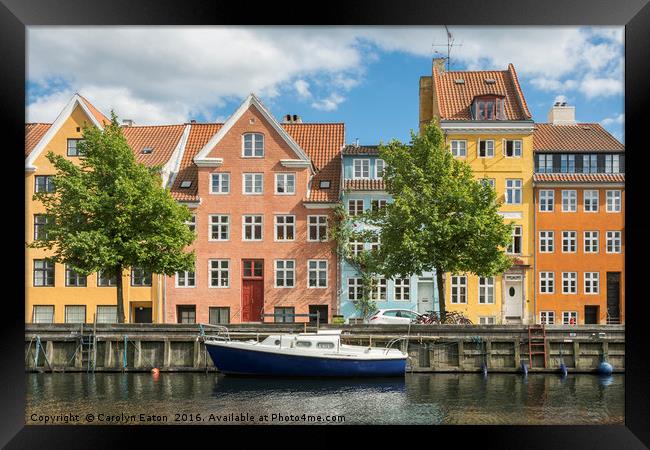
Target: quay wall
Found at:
431, 348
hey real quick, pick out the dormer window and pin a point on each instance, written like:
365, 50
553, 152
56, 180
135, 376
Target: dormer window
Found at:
361, 168
253, 145
488, 107
380, 166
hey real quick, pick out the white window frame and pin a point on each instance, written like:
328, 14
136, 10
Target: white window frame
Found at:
185, 277
547, 282
516, 152
379, 286
254, 176
362, 166
514, 189
571, 198
356, 284
219, 225
43, 307
285, 270
253, 224
547, 317
588, 199
318, 271
219, 270
517, 232
547, 238
590, 241
459, 282
70, 307
570, 237
567, 315
356, 209
102, 314
613, 201
254, 148
591, 283
612, 163
381, 203
402, 289
489, 150
615, 237
223, 176
354, 247
487, 320
486, 290
383, 168
546, 200
572, 280
285, 177
285, 227
461, 150
317, 225
191, 224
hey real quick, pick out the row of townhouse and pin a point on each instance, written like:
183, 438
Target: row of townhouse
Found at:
262, 194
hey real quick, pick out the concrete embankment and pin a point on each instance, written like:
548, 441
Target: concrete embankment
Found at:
431, 348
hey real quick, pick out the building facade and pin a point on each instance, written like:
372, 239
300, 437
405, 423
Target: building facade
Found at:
580, 222
262, 194
486, 122
363, 189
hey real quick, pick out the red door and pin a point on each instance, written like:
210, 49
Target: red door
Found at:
252, 290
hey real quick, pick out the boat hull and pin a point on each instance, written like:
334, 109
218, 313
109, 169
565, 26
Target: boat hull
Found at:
238, 361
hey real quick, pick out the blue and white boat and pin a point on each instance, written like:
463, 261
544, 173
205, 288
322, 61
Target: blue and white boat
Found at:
319, 354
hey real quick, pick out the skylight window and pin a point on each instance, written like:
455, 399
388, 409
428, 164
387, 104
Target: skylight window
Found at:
459, 81
325, 184
186, 183
147, 150
490, 81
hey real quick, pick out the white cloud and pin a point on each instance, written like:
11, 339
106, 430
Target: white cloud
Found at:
593, 87
330, 103
302, 88
616, 120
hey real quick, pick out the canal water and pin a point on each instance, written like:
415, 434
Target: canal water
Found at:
186, 398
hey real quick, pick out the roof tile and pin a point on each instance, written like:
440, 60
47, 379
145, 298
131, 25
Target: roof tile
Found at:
581, 137
579, 177
33, 134
364, 185
163, 139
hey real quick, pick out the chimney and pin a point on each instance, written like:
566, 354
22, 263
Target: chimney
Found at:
127, 122
439, 63
561, 114
291, 118
356, 142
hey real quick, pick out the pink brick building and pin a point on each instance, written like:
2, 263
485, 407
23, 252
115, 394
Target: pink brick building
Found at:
262, 195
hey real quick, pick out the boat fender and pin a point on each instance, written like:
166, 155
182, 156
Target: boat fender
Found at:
524, 368
563, 370
605, 368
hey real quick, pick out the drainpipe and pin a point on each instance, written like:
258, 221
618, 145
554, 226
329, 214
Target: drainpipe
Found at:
535, 252
164, 298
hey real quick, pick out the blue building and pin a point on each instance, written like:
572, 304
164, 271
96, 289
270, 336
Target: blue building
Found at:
363, 189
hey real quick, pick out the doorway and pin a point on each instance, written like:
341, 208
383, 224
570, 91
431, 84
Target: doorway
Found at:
591, 314
425, 296
513, 298
613, 296
142, 314
320, 309
252, 290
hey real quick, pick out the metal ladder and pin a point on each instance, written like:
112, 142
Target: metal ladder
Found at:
536, 343
88, 343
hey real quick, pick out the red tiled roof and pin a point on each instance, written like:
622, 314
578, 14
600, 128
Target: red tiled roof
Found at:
162, 138
581, 137
33, 134
579, 177
455, 99
364, 185
101, 118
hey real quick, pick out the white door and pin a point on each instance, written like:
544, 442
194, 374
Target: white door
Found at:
425, 296
513, 299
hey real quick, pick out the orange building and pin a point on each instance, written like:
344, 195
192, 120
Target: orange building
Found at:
262, 195
579, 185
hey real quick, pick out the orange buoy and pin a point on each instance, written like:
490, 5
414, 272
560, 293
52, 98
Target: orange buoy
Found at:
155, 371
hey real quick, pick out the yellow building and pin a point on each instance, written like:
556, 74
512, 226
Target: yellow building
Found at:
487, 123
53, 293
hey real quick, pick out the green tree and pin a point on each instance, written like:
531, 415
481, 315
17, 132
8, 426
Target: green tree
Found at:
111, 213
441, 218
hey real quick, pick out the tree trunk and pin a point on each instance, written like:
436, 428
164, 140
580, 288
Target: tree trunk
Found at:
120, 296
440, 282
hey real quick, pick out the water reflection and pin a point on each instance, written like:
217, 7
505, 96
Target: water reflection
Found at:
418, 398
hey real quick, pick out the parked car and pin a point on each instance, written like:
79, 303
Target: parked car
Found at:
395, 316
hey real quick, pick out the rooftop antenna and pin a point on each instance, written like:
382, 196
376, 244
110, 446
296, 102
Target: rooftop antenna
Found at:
450, 43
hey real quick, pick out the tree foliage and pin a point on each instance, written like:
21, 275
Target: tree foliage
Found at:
111, 213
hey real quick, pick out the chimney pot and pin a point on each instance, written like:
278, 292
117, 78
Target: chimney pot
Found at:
127, 122
439, 63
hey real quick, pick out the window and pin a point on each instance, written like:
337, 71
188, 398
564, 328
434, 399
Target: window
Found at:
459, 148
485, 290
592, 282
567, 163
106, 314
546, 200
361, 168
613, 201
219, 315
72, 147
380, 166
486, 320
43, 314
569, 201
253, 183
43, 272
75, 314
569, 241
285, 228
569, 318
191, 224
324, 184
325, 345
546, 282
104, 280
513, 191
569, 282
74, 279
488, 181
41, 223
512, 148
613, 242
219, 273
545, 163
589, 163
458, 289
317, 271
253, 268
515, 246
546, 241
252, 228
376, 205
590, 201
402, 289
355, 289
185, 184
285, 273
186, 314
488, 108
355, 207
612, 164
547, 317
285, 183
219, 183
374, 243
378, 289
485, 149
253, 145
317, 228
185, 279
283, 314
44, 183
140, 277
356, 248
219, 227
591, 241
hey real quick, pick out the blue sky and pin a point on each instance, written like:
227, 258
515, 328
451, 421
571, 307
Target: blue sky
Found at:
366, 77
